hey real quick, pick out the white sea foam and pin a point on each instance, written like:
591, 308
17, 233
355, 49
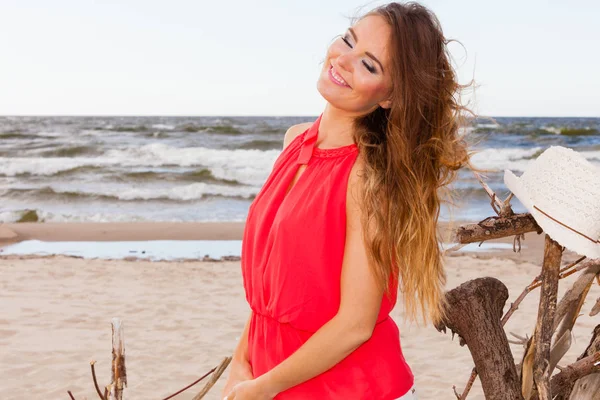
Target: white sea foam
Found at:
249, 167
163, 127
518, 159
185, 192
551, 129
195, 191
48, 216
488, 126
513, 158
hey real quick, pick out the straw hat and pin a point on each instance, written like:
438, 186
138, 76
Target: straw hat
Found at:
561, 190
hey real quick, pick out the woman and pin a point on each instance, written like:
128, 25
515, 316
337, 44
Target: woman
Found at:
319, 283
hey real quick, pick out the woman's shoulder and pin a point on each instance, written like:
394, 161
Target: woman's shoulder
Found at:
294, 131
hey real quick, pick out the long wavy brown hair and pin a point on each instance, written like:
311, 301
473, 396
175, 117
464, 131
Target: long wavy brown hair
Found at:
412, 152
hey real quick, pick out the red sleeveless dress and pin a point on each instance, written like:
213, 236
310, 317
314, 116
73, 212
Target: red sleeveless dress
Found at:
291, 258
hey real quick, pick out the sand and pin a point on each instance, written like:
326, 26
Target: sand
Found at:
182, 318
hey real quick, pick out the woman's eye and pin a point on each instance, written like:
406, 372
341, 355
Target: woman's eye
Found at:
344, 38
370, 68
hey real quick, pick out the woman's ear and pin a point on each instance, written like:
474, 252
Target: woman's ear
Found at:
386, 104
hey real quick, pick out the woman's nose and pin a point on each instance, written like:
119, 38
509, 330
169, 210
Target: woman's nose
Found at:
344, 62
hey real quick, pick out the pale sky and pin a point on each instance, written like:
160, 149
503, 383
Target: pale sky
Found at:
261, 57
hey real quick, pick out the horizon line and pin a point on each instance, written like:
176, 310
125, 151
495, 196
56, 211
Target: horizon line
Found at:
274, 115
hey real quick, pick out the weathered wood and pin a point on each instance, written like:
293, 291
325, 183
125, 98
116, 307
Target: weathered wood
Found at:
213, 379
579, 369
496, 227
118, 372
474, 311
570, 305
526, 369
586, 387
545, 319
596, 309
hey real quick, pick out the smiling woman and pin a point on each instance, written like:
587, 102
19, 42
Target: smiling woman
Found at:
348, 216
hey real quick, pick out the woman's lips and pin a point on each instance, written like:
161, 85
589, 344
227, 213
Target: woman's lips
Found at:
335, 80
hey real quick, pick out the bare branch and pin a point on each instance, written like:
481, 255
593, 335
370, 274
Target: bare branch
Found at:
191, 384
575, 371
213, 379
546, 310
495, 228
474, 310
96, 380
596, 308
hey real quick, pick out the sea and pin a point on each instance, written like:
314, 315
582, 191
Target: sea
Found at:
151, 168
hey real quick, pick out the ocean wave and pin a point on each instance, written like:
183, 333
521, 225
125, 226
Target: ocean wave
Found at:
223, 129
514, 158
16, 134
185, 193
189, 127
263, 145
534, 128
163, 127
68, 151
518, 159
15, 216
250, 167
199, 175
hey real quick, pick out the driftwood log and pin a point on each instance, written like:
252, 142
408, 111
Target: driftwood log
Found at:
495, 228
475, 309
546, 310
586, 387
118, 371
474, 312
119, 374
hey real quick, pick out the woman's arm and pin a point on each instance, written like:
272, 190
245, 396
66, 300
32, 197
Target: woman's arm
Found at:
351, 326
239, 369
241, 350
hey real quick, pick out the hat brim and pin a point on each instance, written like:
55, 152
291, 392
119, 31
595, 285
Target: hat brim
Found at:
564, 236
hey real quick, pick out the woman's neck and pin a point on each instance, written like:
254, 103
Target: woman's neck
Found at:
335, 129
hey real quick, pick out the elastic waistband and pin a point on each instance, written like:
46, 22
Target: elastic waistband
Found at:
256, 312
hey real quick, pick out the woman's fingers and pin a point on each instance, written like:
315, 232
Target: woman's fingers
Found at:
230, 396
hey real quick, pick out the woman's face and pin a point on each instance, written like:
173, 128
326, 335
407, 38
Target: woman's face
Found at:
360, 57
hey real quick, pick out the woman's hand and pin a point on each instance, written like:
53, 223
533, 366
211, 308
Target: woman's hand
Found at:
240, 371
249, 390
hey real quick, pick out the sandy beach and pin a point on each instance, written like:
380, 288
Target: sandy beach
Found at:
182, 318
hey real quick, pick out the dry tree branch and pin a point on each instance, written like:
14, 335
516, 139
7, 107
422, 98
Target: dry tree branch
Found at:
474, 311
535, 284
190, 385
114, 391
469, 384
213, 379
514, 306
596, 309
570, 306
545, 320
96, 381
496, 228
573, 372
495, 201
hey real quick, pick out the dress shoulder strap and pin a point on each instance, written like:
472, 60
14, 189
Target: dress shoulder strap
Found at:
308, 143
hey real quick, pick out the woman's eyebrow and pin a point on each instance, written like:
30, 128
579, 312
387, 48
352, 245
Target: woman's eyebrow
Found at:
366, 52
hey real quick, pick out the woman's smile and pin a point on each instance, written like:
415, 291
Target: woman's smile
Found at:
336, 78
